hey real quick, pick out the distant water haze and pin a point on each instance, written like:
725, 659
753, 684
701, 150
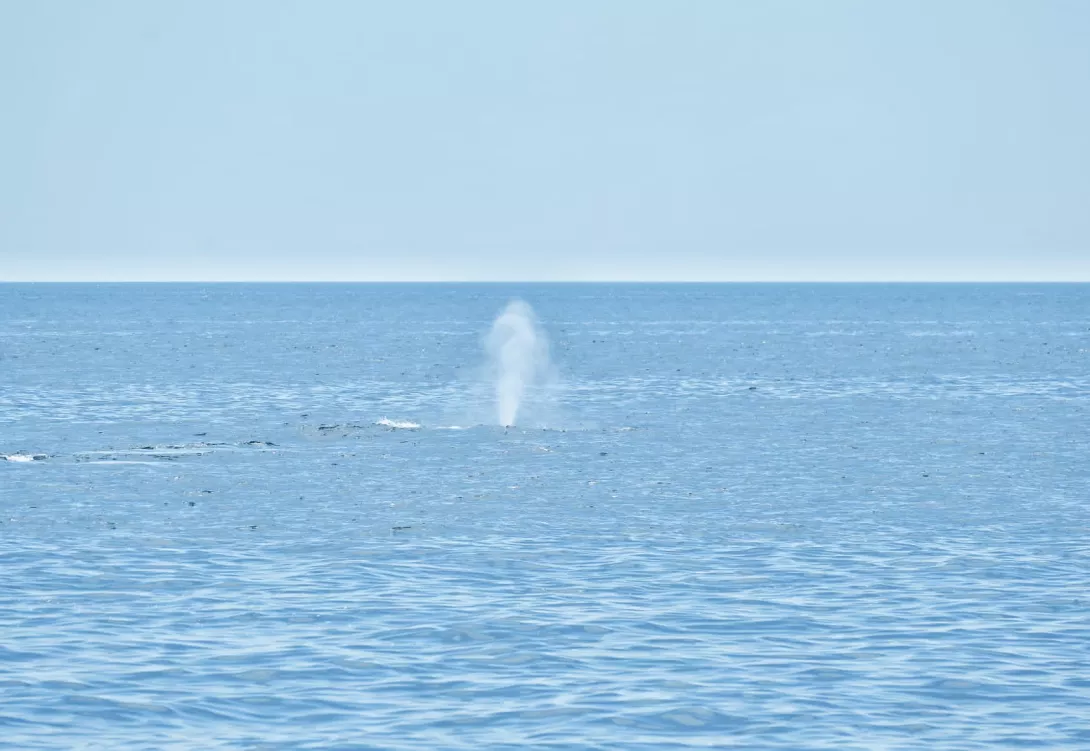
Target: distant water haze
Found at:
518, 359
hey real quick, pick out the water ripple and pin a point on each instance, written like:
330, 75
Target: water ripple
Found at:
742, 528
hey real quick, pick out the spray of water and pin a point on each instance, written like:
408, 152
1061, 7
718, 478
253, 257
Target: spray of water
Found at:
518, 357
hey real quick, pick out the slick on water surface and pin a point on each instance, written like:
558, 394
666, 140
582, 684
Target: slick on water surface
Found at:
518, 358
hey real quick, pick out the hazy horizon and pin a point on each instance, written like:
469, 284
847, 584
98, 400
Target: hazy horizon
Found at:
543, 281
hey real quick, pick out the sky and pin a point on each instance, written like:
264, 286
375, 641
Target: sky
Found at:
695, 140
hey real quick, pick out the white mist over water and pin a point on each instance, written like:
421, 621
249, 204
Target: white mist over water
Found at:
518, 358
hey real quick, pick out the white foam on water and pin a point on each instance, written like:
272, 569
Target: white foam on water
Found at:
23, 457
398, 424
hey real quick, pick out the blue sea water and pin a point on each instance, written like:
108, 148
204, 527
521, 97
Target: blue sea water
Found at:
746, 516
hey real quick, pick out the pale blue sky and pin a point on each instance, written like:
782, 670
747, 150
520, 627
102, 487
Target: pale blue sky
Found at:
343, 140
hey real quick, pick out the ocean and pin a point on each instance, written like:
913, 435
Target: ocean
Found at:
755, 516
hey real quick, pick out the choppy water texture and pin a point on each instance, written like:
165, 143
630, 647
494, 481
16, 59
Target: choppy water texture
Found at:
762, 516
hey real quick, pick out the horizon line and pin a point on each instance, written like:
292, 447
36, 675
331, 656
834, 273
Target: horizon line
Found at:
545, 281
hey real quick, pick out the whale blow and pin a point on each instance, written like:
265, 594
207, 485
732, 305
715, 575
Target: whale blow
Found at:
518, 357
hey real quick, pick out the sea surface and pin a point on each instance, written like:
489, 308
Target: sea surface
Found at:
743, 516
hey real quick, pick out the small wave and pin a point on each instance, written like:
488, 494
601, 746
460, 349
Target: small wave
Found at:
398, 424
23, 457
958, 332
